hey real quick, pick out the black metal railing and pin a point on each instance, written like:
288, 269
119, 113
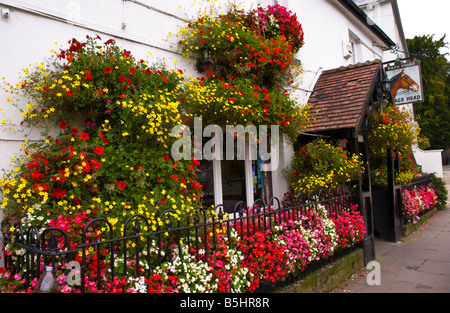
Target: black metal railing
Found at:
138, 249
421, 180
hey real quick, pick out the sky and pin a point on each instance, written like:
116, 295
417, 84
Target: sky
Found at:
425, 17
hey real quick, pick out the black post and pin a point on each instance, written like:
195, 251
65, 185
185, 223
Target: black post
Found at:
391, 195
395, 222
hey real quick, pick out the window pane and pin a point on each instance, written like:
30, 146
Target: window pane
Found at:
233, 178
233, 183
205, 178
262, 182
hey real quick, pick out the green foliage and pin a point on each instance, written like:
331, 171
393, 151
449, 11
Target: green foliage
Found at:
433, 114
438, 184
239, 102
390, 127
320, 165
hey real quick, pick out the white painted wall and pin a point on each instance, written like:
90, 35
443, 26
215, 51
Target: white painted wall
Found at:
430, 160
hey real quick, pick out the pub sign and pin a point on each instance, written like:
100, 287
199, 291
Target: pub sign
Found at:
406, 82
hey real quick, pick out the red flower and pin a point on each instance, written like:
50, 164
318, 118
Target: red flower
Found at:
159, 180
102, 136
43, 187
166, 158
32, 165
108, 70
58, 193
122, 78
132, 70
88, 75
37, 175
121, 184
74, 131
98, 150
122, 96
84, 136
62, 125
95, 164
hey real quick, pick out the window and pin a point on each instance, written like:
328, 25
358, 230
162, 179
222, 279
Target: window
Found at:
234, 187
356, 48
228, 182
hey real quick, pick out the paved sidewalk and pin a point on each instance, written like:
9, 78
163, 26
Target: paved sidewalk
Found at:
419, 263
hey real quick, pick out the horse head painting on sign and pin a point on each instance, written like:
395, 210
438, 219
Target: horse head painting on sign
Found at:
402, 81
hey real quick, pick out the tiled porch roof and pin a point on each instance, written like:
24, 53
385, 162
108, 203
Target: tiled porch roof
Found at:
341, 96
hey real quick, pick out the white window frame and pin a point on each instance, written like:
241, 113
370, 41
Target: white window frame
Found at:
248, 172
355, 41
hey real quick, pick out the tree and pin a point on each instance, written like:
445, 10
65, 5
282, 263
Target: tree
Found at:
433, 114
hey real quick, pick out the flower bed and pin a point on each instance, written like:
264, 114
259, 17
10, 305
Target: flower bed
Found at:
417, 201
243, 259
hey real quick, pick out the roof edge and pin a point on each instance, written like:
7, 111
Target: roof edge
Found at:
401, 30
351, 66
362, 16
376, 76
